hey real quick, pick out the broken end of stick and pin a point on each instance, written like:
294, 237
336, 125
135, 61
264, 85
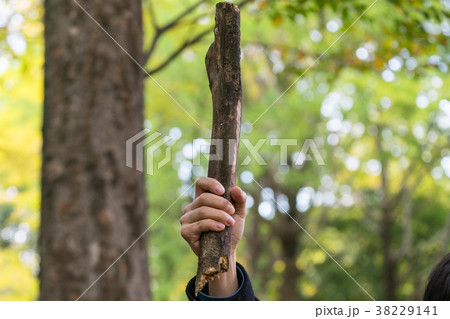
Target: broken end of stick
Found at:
224, 4
210, 273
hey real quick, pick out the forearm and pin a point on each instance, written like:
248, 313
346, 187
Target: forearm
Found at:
227, 283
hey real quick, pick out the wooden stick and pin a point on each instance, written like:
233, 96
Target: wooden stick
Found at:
224, 74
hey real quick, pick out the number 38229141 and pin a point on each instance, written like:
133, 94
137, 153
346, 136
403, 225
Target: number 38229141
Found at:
406, 310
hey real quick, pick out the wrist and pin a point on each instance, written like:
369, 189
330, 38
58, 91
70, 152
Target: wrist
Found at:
227, 284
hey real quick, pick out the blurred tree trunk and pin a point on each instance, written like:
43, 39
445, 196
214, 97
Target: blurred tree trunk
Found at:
390, 261
261, 256
93, 206
255, 241
289, 235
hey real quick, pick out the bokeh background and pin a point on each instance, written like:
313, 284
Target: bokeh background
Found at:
377, 104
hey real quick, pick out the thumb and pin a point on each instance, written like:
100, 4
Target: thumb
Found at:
240, 199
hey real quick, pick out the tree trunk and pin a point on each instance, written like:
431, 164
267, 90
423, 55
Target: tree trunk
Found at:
224, 74
93, 206
289, 234
386, 232
389, 260
255, 241
289, 289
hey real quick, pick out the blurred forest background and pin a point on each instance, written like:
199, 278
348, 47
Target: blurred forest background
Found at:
377, 104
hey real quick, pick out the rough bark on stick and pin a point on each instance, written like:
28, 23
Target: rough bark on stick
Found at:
224, 74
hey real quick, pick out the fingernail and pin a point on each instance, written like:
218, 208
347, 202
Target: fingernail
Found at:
220, 189
220, 226
230, 209
230, 221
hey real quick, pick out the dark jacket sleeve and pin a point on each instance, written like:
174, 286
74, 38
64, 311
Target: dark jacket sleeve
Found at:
244, 292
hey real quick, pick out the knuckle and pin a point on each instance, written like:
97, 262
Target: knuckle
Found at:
203, 197
199, 181
183, 232
201, 212
199, 226
203, 225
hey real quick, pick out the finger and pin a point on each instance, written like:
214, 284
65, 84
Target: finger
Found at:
240, 199
214, 201
211, 200
194, 230
206, 212
208, 184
